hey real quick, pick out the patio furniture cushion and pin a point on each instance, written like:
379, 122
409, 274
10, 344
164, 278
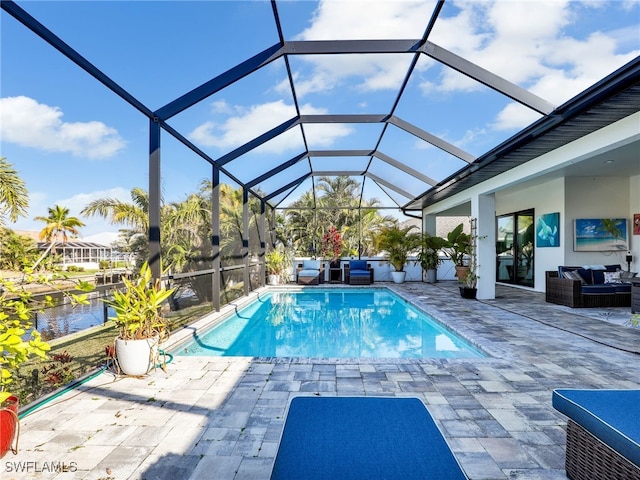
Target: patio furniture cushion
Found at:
359, 273
612, 277
598, 289
308, 273
362, 438
610, 415
623, 287
576, 273
357, 265
311, 265
310, 268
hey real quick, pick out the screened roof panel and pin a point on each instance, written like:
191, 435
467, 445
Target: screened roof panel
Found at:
153, 61
367, 76
554, 49
327, 164
268, 157
239, 113
349, 83
402, 181
342, 136
278, 180
354, 20
460, 110
377, 195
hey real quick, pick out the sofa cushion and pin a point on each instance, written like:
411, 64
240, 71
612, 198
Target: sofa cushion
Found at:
613, 268
598, 276
594, 267
586, 275
622, 287
311, 265
610, 415
601, 289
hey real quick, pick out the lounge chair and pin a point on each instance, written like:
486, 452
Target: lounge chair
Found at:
603, 436
310, 272
358, 272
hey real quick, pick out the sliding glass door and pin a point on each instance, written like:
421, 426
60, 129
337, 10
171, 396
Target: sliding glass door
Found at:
515, 248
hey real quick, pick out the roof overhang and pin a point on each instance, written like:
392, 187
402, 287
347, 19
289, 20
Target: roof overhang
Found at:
613, 98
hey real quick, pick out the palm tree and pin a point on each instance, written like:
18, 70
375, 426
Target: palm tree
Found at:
134, 214
14, 197
58, 225
612, 227
338, 204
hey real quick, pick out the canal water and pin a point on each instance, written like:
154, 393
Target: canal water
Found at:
65, 318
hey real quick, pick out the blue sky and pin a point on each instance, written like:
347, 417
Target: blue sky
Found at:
72, 140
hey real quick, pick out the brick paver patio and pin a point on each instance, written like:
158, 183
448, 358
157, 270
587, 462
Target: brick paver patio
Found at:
221, 418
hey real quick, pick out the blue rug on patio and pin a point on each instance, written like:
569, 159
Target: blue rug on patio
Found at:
362, 438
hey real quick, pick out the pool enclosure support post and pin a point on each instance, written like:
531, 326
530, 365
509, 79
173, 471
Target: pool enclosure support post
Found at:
245, 239
263, 242
154, 198
272, 228
483, 208
215, 237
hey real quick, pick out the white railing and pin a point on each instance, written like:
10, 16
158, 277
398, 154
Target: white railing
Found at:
382, 270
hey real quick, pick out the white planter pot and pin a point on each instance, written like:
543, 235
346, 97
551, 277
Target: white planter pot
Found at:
273, 279
136, 357
398, 277
432, 275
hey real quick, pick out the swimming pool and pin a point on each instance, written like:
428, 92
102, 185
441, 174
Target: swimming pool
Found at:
330, 323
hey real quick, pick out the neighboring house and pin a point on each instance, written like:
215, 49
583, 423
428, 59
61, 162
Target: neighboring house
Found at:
80, 254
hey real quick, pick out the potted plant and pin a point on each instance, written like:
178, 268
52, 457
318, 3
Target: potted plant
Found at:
140, 323
429, 256
468, 288
275, 264
397, 243
331, 249
20, 342
457, 248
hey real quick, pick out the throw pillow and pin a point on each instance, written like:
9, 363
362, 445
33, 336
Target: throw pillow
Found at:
573, 275
612, 277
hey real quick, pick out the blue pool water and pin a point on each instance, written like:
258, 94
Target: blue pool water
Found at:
330, 323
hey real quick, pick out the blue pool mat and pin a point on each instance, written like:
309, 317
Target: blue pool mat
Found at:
362, 438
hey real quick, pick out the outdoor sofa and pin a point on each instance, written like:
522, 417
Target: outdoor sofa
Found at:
358, 272
310, 272
603, 433
588, 286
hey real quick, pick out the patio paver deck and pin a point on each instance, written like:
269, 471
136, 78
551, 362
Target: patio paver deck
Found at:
221, 418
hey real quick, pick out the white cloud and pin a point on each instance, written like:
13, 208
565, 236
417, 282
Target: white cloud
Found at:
366, 19
360, 20
39, 203
26, 122
95, 224
246, 125
254, 121
80, 200
528, 44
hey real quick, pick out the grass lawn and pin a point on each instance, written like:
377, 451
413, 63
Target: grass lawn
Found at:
78, 354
